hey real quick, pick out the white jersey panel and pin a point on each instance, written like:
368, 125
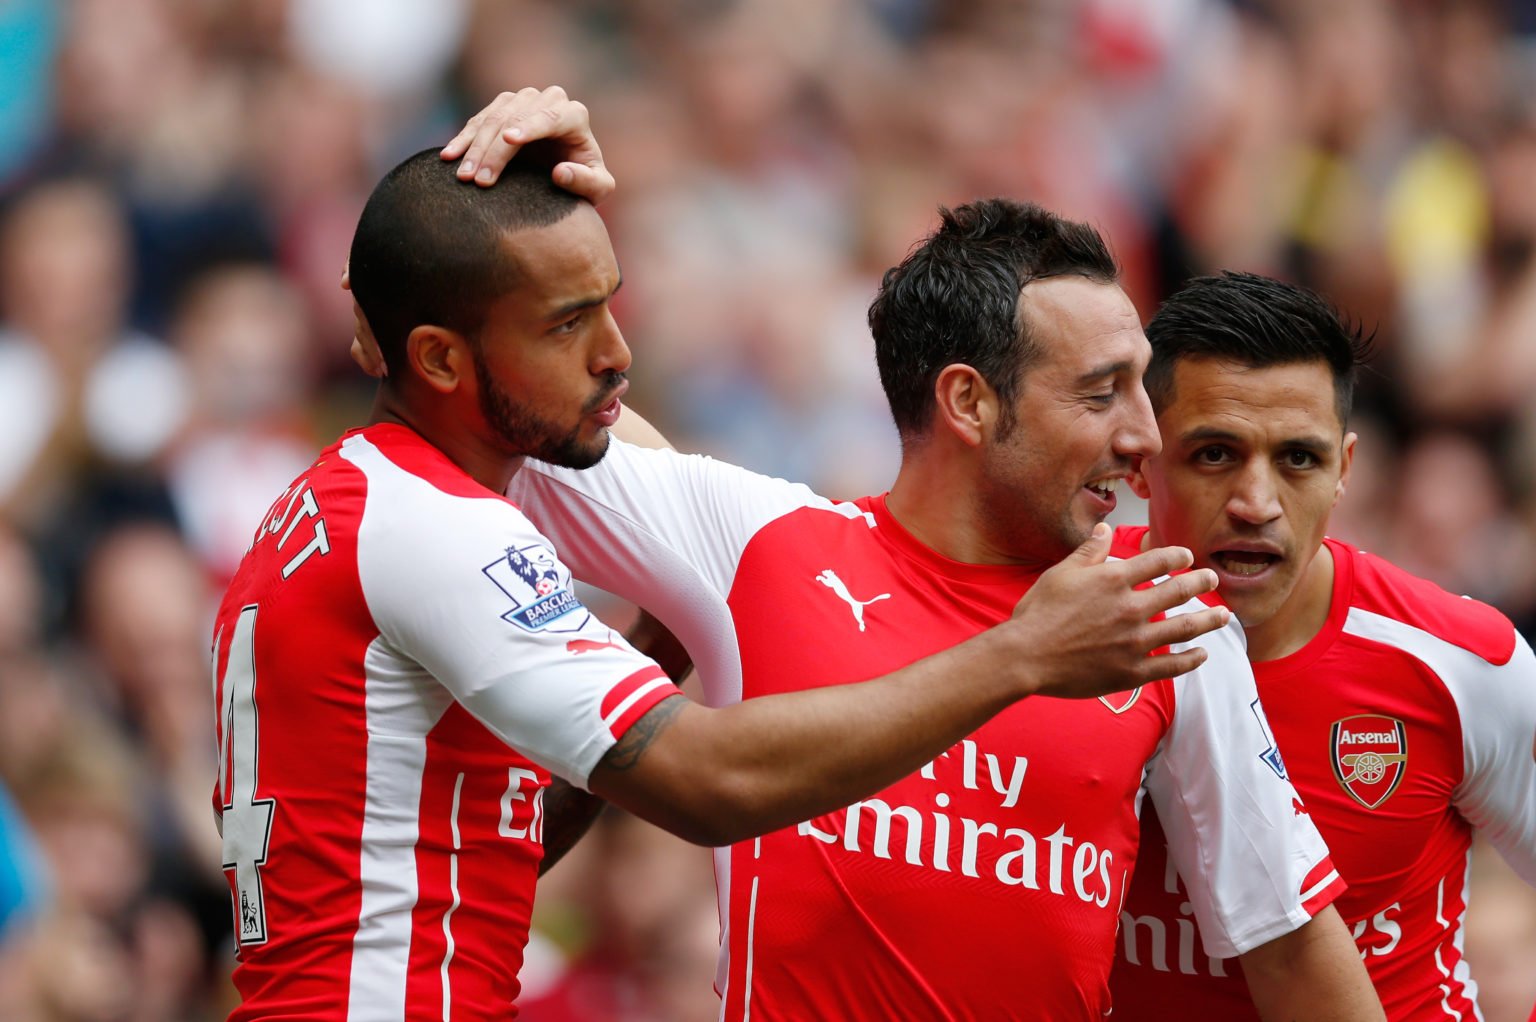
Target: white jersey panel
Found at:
464, 590
665, 531
1497, 709
402, 708
1220, 789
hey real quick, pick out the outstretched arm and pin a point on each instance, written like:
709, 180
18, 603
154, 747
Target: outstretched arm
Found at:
714, 776
1313, 973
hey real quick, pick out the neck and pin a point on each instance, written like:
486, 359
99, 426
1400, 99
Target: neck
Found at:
483, 463
935, 498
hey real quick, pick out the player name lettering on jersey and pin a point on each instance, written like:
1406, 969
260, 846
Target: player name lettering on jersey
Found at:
297, 504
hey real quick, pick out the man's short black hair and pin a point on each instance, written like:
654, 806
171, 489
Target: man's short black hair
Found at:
955, 298
429, 247
1257, 322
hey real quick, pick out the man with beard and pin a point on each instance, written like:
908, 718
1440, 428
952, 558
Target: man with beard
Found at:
400, 662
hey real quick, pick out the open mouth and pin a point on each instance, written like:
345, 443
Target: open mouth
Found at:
1242, 563
1104, 489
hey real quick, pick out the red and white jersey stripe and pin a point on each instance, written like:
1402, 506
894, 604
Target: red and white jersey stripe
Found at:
399, 664
988, 884
1406, 723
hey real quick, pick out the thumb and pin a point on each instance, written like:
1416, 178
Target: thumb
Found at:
594, 184
1094, 549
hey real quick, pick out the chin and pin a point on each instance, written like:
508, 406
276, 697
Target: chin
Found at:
579, 457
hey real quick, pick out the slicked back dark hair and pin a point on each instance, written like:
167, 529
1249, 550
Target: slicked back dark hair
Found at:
955, 298
429, 247
1257, 322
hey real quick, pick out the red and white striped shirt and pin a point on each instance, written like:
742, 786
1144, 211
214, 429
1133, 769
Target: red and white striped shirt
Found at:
1405, 723
399, 664
987, 885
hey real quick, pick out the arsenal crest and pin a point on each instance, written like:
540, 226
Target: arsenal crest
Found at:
1369, 754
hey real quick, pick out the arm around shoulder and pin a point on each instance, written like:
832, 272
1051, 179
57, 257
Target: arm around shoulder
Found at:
714, 776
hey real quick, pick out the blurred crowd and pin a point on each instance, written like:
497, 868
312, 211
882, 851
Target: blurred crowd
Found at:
179, 180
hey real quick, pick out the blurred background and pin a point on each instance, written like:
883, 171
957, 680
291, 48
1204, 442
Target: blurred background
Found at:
179, 181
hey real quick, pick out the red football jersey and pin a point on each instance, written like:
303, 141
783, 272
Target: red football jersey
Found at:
399, 663
987, 885
1406, 722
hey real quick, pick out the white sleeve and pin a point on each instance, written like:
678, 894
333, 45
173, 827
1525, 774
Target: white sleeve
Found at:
665, 531
1497, 793
466, 591
1255, 866
640, 507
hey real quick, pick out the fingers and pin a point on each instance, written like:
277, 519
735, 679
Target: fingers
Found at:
492, 137
365, 350
479, 142
1164, 560
594, 184
1171, 665
1175, 591
369, 361
1181, 628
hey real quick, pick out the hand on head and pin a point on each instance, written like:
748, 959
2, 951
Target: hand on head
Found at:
484, 147
512, 120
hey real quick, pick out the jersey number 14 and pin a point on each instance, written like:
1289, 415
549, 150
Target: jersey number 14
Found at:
246, 821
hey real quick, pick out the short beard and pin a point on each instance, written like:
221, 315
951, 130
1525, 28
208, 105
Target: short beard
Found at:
527, 435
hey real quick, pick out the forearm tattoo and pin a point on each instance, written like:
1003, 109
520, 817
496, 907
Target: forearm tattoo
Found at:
625, 754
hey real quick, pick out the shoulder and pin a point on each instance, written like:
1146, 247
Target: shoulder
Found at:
1389, 602
1127, 541
419, 506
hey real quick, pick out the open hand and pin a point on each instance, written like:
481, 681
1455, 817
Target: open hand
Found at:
1091, 630
513, 119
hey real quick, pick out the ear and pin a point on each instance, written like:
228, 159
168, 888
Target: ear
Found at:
439, 357
966, 404
1137, 477
1346, 459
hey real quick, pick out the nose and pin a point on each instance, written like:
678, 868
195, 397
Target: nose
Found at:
609, 352
1137, 436
1255, 499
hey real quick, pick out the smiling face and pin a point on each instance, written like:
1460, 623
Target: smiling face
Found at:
1082, 419
1253, 463
549, 359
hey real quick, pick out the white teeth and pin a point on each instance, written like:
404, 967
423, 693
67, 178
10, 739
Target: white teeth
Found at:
1104, 486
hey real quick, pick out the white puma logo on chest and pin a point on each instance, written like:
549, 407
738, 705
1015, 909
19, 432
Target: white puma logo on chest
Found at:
829, 578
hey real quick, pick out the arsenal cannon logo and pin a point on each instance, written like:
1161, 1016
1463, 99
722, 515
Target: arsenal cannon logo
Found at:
1369, 754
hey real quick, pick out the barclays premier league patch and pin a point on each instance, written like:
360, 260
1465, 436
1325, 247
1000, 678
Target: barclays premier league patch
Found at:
1369, 754
539, 587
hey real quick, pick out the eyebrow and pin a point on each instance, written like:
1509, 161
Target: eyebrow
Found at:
582, 303
1210, 434
1100, 372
